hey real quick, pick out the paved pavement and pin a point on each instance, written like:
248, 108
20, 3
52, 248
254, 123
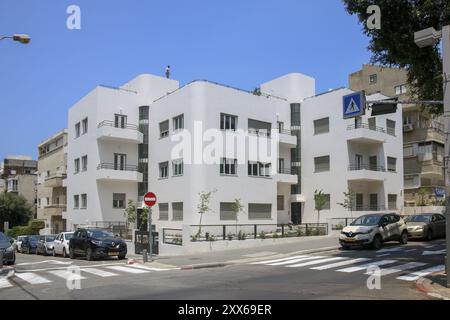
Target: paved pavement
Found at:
272, 274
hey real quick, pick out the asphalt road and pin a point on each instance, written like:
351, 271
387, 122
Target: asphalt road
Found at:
327, 275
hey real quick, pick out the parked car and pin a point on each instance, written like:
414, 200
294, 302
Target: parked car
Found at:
61, 244
18, 243
29, 244
374, 230
426, 226
6, 246
96, 243
45, 244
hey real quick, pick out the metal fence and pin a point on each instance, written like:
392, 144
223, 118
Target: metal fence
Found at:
338, 224
122, 229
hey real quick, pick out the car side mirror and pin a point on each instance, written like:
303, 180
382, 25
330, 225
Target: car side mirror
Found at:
11, 241
116, 236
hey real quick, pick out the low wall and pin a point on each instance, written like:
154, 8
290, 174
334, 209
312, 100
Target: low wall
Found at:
418, 210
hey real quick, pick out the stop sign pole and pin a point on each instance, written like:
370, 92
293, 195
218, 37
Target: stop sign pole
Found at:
150, 201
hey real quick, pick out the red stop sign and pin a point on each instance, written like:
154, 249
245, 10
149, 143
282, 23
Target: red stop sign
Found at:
150, 199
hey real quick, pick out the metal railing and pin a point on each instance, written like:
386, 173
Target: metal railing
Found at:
287, 132
231, 232
360, 167
117, 167
261, 133
173, 237
365, 126
109, 123
288, 171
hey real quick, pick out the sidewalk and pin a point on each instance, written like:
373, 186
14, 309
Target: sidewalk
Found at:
223, 258
434, 286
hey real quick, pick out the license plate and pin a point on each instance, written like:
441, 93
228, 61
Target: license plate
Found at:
350, 240
113, 253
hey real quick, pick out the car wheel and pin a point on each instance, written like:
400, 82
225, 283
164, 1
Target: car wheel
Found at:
404, 238
89, 254
122, 257
54, 252
28, 250
71, 254
377, 243
429, 236
64, 253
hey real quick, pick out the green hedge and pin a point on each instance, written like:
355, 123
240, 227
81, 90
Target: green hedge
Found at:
33, 228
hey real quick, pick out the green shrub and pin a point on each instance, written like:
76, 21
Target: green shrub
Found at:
276, 235
262, 235
230, 237
242, 236
299, 232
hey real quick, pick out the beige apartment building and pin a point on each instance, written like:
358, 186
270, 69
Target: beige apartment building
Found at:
51, 189
423, 135
18, 175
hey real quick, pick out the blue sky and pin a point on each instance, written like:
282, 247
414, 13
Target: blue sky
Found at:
235, 42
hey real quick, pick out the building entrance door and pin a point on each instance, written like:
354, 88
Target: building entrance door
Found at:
296, 213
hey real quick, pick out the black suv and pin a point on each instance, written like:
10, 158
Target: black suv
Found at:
96, 243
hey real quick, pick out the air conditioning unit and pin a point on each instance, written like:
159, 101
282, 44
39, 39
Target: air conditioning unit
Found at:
408, 127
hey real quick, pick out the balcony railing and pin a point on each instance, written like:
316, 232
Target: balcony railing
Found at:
56, 175
359, 167
286, 132
366, 126
287, 171
117, 167
109, 123
258, 132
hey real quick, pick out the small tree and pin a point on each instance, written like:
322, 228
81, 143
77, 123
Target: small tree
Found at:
132, 216
203, 207
237, 207
349, 201
422, 193
321, 200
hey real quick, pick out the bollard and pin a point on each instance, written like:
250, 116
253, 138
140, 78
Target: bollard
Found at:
1, 259
144, 256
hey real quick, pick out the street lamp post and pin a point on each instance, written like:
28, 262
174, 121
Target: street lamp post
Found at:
425, 38
22, 38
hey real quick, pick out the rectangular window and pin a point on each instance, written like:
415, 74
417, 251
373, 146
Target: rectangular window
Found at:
84, 163
322, 164
119, 200
392, 202
120, 121
374, 202
76, 201
258, 211
163, 170
177, 211
178, 123
401, 89
177, 168
226, 211
258, 169
163, 211
321, 126
83, 201
390, 126
228, 167
228, 122
373, 78
327, 205
259, 128
77, 165
295, 115
85, 125
77, 130
392, 164
120, 162
280, 203
164, 129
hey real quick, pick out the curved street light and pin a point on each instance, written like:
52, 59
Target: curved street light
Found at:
22, 38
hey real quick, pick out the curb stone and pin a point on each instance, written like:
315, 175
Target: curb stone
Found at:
423, 285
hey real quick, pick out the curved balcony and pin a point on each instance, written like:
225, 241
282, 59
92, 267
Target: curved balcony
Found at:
109, 130
288, 176
55, 180
287, 138
366, 133
364, 173
118, 173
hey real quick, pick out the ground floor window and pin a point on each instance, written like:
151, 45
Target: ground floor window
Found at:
258, 211
119, 200
177, 211
226, 211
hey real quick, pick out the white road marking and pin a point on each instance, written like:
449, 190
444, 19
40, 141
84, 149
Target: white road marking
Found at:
430, 253
340, 264
422, 273
412, 250
139, 266
390, 250
67, 275
367, 265
310, 263
32, 278
98, 272
4, 283
403, 267
127, 269
43, 262
278, 260
383, 255
260, 254
294, 261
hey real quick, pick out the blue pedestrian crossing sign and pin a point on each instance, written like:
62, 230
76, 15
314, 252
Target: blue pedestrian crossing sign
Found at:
440, 192
354, 104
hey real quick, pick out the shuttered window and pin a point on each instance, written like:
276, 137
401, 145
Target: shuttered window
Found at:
226, 211
392, 164
177, 211
164, 211
259, 127
390, 125
280, 203
322, 164
258, 211
322, 126
164, 129
119, 200
392, 202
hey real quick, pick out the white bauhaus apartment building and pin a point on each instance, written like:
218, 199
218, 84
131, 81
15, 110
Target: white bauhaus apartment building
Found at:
126, 141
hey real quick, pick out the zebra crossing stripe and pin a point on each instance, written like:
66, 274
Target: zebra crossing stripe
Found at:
310, 263
403, 267
32, 278
139, 266
422, 273
340, 264
278, 260
294, 261
100, 273
367, 265
67, 275
127, 269
4, 283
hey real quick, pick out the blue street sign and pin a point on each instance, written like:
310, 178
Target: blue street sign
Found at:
439, 192
354, 104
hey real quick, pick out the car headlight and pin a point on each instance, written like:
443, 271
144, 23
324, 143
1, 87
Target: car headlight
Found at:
98, 243
419, 229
